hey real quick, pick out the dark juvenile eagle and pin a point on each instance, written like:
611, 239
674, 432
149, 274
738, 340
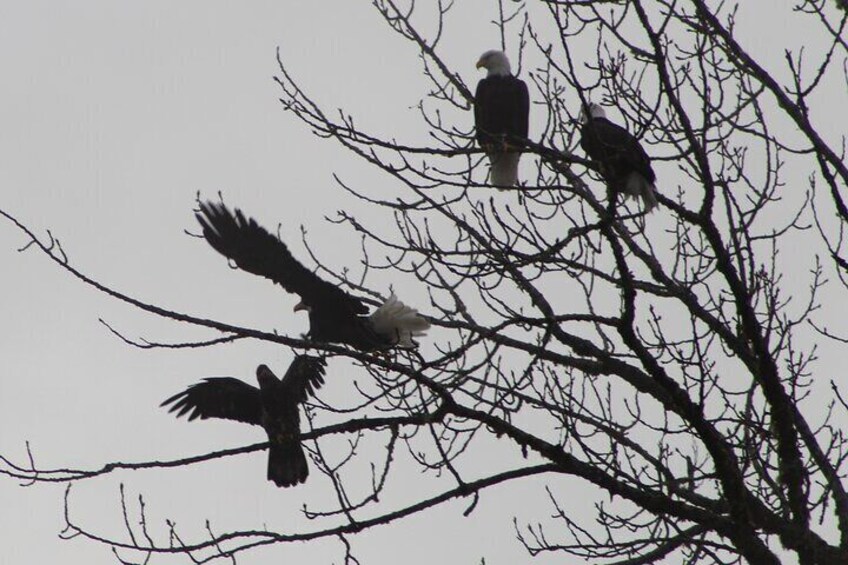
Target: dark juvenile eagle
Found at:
274, 406
623, 163
501, 117
334, 315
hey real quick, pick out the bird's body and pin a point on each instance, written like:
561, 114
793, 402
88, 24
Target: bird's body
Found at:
280, 418
345, 326
501, 117
623, 163
334, 315
274, 406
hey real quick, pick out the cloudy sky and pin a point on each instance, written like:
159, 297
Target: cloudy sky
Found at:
114, 115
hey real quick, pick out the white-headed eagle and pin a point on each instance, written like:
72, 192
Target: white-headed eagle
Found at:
623, 163
274, 406
334, 315
501, 117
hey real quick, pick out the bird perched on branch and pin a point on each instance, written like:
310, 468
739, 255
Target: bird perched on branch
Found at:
501, 117
274, 406
334, 315
623, 163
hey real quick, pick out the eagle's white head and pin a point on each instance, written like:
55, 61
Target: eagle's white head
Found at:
591, 110
495, 62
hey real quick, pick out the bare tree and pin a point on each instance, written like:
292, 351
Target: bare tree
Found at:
669, 360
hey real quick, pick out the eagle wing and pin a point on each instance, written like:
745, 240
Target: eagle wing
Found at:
614, 146
304, 376
522, 118
218, 397
255, 250
638, 158
483, 118
501, 107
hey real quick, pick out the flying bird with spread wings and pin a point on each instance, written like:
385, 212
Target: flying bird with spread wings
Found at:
501, 117
623, 162
334, 315
274, 406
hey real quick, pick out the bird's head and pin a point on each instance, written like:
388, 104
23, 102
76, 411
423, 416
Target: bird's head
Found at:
265, 376
495, 62
302, 306
591, 110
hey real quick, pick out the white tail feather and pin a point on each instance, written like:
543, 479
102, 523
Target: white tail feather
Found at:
504, 168
638, 186
399, 322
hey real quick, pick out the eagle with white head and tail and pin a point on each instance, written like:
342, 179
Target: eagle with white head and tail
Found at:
334, 315
623, 162
501, 117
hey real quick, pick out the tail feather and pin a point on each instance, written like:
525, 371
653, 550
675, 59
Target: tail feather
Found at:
504, 168
638, 186
399, 322
287, 463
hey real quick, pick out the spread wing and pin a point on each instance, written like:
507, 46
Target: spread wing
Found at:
304, 376
218, 397
255, 250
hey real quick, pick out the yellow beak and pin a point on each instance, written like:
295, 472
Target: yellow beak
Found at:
480, 63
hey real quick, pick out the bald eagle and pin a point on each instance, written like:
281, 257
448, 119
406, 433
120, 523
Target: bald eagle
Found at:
501, 114
334, 315
274, 406
623, 163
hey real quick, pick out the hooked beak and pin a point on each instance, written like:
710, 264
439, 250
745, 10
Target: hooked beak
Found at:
480, 64
301, 306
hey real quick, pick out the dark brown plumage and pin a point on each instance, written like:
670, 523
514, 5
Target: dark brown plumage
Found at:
623, 163
501, 117
334, 315
274, 406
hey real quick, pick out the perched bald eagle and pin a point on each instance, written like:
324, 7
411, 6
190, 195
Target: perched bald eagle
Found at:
274, 406
501, 117
334, 315
623, 163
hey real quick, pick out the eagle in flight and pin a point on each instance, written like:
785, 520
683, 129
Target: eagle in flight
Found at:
335, 316
274, 406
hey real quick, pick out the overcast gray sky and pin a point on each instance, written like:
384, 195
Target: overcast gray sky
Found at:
114, 114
